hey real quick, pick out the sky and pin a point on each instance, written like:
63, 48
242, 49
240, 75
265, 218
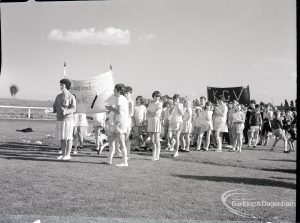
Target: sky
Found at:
174, 46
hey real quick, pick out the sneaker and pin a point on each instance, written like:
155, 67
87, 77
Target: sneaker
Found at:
286, 151
60, 157
176, 154
122, 164
254, 146
171, 149
109, 162
272, 149
66, 158
75, 152
59, 152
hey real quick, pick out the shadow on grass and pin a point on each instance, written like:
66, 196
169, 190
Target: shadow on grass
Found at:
49, 160
293, 171
283, 160
284, 178
241, 180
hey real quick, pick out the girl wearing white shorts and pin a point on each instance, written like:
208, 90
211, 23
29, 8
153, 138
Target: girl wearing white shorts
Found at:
176, 123
154, 111
206, 124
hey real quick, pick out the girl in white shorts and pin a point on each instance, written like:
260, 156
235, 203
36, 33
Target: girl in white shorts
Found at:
154, 111
176, 123
205, 125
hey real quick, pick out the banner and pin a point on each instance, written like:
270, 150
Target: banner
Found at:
93, 94
241, 94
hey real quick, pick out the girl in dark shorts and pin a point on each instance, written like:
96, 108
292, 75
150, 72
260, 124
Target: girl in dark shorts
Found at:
293, 137
266, 131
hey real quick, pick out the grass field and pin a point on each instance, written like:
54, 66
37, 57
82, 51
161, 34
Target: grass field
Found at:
34, 185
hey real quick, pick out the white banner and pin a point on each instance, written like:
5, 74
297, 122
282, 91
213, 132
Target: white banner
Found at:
93, 94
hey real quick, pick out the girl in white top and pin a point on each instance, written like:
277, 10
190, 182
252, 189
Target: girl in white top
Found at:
98, 124
154, 111
187, 126
139, 120
206, 124
238, 120
220, 121
176, 123
120, 110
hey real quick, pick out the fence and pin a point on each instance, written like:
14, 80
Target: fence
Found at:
22, 107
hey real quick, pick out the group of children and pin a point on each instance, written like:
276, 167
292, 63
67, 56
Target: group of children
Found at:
181, 121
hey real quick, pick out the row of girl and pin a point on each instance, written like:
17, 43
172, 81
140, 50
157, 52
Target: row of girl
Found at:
179, 121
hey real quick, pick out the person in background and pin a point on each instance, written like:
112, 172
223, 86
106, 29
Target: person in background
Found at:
197, 127
202, 102
128, 92
176, 123
121, 114
220, 121
266, 130
246, 131
166, 115
99, 125
277, 128
238, 119
187, 126
139, 120
64, 106
205, 125
255, 123
293, 136
154, 111
79, 131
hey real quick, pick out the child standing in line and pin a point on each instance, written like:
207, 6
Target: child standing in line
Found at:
255, 123
64, 106
80, 130
154, 111
197, 127
187, 126
277, 128
166, 115
293, 136
139, 119
120, 109
99, 125
205, 125
238, 119
176, 123
128, 92
219, 124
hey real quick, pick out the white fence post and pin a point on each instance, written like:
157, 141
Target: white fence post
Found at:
28, 113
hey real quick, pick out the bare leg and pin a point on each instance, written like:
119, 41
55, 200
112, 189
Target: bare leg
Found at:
121, 138
207, 139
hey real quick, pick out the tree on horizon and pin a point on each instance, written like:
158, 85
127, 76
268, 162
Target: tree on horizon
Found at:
13, 90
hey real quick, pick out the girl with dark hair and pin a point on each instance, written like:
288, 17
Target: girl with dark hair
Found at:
121, 114
64, 106
176, 123
154, 111
220, 121
205, 125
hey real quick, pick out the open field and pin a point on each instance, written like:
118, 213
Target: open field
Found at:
34, 185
